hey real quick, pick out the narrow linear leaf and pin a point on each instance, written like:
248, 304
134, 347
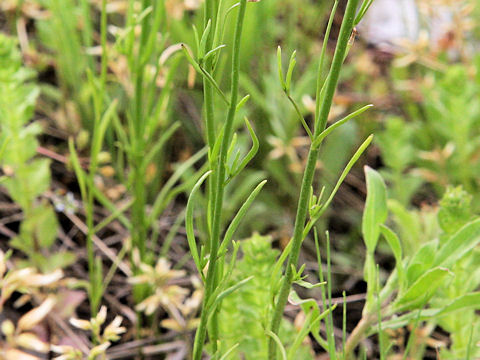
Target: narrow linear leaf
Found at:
81, 176
251, 153
278, 342
308, 285
317, 142
321, 209
300, 115
229, 351
300, 337
203, 40
203, 72
100, 133
223, 294
113, 216
213, 52
240, 215
192, 243
291, 66
279, 66
163, 197
160, 144
242, 102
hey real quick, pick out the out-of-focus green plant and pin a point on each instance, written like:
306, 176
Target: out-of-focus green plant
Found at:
60, 33
440, 143
245, 313
434, 284
398, 154
134, 111
450, 136
26, 177
311, 206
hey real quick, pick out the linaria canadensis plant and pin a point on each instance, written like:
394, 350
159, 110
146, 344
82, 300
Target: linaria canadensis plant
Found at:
223, 167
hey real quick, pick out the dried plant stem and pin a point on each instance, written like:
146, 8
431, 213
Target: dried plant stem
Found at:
357, 335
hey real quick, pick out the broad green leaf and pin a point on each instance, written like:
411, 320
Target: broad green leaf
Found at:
459, 244
467, 301
423, 289
394, 243
408, 224
44, 225
421, 261
54, 261
404, 320
37, 231
375, 212
30, 181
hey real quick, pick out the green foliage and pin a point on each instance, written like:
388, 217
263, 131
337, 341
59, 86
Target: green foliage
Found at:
26, 177
245, 314
374, 215
399, 153
120, 82
438, 145
434, 281
60, 34
455, 208
375, 212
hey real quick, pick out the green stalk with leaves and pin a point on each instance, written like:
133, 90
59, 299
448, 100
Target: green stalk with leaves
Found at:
324, 100
25, 177
219, 184
224, 166
102, 118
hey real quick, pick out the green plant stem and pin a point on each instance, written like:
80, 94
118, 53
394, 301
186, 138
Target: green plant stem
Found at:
208, 99
332, 80
208, 93
138, 213
210, 14
212, 273
95, 287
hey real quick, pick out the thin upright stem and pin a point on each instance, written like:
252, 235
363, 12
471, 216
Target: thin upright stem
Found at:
210, 14
332, 80
98, 108
211, 280
208, 91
